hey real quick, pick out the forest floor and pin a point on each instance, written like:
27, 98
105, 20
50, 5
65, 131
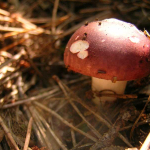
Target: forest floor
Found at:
43, 106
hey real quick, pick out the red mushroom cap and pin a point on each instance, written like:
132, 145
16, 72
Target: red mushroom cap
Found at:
109, 49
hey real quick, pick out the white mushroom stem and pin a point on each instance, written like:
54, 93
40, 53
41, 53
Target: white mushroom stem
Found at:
107, 87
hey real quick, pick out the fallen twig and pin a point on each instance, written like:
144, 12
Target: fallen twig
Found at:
121, 96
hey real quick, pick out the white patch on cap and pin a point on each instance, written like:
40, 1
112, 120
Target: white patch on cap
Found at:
77, 37
79, 46
134, 39
82, 54
103, 40
146, 45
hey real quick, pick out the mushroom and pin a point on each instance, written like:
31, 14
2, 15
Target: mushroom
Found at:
112, 52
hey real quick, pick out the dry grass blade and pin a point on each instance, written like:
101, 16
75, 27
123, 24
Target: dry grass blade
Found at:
147, 121
54, 15
35, 128
88, 124
32, 43
5, 18
109, 125
146, 143
65, 121
73, 138
103, 15
18, 31
12, 76
8, 134
47, 133
33, 98
13, 44
15, 57
134, 125
79, 144
4, 12
101, 119
36, 69
121, 96
28, 26
134, 148
75, 107
60, 143
25, 23
7, 35
11, 29
40, 126
89, 10
28, 134
6, 54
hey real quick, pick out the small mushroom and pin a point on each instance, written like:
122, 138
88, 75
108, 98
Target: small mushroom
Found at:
112, 53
